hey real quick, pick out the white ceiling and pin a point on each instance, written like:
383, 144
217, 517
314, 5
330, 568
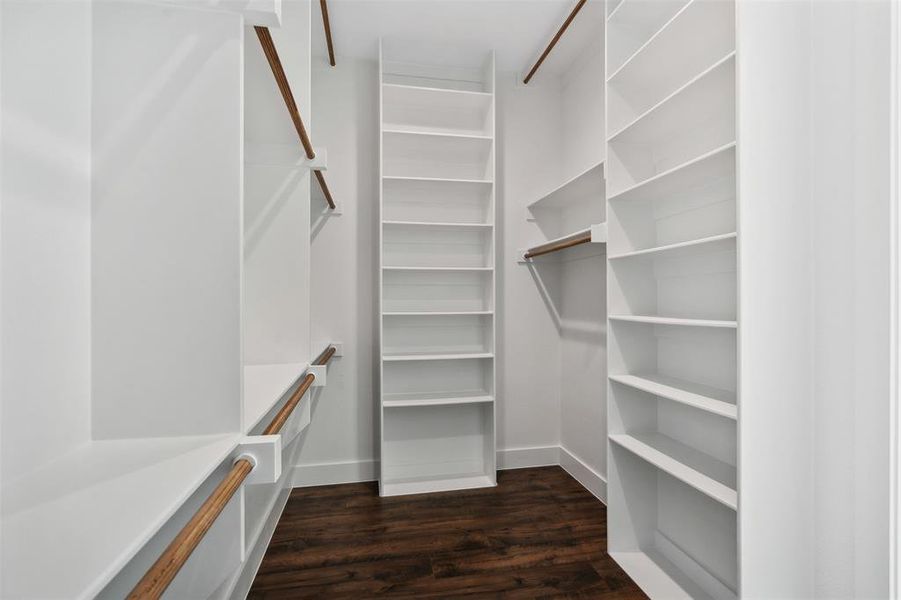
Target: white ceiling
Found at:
518, 30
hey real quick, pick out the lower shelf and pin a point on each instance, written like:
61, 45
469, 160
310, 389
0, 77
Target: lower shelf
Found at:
658, 577
423, 485
435, 399
704, 473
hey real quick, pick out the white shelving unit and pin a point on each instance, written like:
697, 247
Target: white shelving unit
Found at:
572, 208
672, 296
437, 277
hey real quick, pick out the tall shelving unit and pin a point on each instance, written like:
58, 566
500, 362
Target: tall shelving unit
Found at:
436, 272
672, 295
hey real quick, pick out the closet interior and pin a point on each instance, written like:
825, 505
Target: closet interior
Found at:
256, 252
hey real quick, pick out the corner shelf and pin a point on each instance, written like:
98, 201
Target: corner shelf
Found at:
586, 184
710, 476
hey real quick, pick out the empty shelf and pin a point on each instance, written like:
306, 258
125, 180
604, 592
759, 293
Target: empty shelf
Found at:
690, 174
439, 179
436, 313
588, 184
426, 109
704, 473
675, 321
436, 224
264, 386
702, 397
115, 493
422, 485
432, 356
438, 268
435, 399
714, 243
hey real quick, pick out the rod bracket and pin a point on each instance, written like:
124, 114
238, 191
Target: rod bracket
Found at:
320, 372
265, 451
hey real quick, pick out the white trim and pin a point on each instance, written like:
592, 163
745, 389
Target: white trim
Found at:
590, 479
334, 473
895, 312
508, 458
521, 458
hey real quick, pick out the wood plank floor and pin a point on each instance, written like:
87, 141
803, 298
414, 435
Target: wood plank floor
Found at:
538, 534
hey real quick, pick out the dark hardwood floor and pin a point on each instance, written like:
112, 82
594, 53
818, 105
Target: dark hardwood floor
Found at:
538, 534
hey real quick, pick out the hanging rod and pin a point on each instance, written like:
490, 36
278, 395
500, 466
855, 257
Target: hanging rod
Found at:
555, 39
281, 80
583, 237
160, 575
328, 32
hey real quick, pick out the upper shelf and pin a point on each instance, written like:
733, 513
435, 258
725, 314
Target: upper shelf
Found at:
436, 110
586, 185
115, 493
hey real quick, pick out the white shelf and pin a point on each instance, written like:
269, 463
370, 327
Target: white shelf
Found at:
116, 494
714, 243
675, 321
438, 268
588, 184
632, 23
402, 487
481, 182
435, 313
716, 163
264, 386
427, 109
689, 102
435, 399
432, 356
657, 576
710, 476
437, 224
706, 398
675, 36
437, 135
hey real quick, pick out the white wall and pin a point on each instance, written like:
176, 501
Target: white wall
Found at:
45, 231
167, 139
814, 252
850, 117
344, 269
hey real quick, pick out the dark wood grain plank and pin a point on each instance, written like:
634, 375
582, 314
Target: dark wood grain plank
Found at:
538, 534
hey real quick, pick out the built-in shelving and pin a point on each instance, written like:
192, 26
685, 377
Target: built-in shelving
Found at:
672, 295
704, 473
437, 277
587, 184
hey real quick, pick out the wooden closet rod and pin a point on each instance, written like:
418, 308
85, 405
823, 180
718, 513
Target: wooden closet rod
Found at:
555, 39
177, 553
328, 32
281, 80
581, 238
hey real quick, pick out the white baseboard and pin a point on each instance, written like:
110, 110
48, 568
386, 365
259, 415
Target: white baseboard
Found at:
334, 473
508, 458
590, 479
521, 458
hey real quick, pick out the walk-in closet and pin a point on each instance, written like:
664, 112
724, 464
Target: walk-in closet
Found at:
449, 299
